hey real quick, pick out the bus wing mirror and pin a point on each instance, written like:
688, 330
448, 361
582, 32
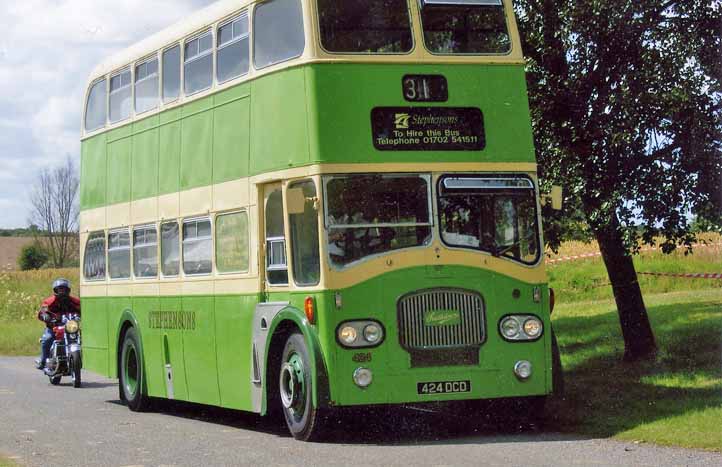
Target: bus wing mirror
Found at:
554, 197
296, 201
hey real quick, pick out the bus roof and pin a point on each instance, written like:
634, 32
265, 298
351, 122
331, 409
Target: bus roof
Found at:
195, 22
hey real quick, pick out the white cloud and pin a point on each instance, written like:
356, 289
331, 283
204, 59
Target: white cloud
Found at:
47, 50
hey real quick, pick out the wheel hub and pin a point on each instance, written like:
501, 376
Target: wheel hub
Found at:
292, 383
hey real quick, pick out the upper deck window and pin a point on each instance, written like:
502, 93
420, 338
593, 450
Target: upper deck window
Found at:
146, 86
120, 93
233, 49
465, 27
171, 74
198, 68
95, 110
374, 26
278, 32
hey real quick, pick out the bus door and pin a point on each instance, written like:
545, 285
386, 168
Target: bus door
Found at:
274, 277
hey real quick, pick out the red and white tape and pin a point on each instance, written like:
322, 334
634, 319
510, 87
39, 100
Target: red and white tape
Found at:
700, 275
598, 254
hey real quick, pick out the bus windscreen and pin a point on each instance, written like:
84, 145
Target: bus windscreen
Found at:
473, 27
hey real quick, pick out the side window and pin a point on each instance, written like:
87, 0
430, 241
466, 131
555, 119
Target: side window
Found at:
120, 92
170, 249
95, 110
276, 267
278, 32
119, 254
171, 74
146, 86
198, 65
145, 252
197, 247
94, 261
232, 59
232, 242
304, 236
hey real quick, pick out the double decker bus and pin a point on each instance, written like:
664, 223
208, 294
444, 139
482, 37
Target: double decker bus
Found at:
297, 205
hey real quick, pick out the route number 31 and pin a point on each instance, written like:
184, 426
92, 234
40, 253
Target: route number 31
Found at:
425, 88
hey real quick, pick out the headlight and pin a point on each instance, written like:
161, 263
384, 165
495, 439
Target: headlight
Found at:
532, 327
372, 333
347, 335
519, 328
72, 326
356, 334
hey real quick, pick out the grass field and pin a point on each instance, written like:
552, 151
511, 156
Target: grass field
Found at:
675, 400
10, 250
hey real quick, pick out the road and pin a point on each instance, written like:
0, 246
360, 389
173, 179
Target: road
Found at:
42, 425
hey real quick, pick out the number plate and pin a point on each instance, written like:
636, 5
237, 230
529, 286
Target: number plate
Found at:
443, 387
425, 88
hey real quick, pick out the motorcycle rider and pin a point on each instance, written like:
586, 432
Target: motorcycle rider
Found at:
51, 311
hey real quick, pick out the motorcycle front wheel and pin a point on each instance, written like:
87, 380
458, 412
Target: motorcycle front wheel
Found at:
55, 380
75, 366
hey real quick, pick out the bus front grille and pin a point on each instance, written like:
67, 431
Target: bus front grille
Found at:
441, 319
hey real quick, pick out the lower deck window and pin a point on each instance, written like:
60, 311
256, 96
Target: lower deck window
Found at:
197, 247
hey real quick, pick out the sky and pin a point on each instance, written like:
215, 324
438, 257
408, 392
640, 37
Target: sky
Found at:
47, 50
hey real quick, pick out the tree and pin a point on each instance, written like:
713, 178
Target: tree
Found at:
32, 257
55, 210
625, 101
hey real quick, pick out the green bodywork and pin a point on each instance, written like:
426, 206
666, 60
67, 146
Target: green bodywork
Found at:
311, 114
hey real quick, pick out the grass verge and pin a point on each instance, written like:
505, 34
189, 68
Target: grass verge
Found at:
675, 400
5, 462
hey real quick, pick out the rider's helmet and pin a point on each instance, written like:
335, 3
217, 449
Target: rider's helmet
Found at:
61, 287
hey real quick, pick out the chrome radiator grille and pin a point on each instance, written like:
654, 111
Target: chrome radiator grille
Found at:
417, 334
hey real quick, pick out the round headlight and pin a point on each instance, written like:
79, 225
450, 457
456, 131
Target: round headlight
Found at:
347, 335
532, 327
510, 327
72, 326
372, 333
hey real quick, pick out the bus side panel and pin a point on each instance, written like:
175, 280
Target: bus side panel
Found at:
172, 345
197, 145
95, 335
231, 134
93, 172
279, 121
119, 165
169, 152
145, 163
234, 320
152, 350
199, 349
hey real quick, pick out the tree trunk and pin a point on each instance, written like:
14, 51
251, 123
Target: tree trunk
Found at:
639, 340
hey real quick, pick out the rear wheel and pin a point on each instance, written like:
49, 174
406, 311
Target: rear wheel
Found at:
131, 373
303, 419
75, 367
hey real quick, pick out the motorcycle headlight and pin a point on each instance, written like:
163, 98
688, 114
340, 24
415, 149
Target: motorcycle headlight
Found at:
72, 326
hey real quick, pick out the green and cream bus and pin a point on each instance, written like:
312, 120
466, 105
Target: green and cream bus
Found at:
296, 205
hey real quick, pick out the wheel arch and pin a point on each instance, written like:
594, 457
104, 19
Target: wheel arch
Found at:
286, 322
128, 320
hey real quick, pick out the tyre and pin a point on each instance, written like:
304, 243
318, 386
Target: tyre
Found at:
132, 373
75, 366
304, 421
55, 380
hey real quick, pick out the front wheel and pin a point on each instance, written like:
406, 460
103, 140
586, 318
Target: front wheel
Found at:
75, 366
55, 380
131, 373
303, 419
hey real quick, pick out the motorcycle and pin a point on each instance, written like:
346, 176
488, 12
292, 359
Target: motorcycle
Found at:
65, 355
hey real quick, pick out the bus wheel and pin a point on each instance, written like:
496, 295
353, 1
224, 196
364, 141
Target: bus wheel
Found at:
302, 418
131, 373
557, 370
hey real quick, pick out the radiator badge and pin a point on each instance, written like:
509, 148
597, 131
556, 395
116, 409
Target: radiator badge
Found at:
442, 318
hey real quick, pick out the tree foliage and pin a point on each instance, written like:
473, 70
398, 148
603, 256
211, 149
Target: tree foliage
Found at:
626, 109
32, 257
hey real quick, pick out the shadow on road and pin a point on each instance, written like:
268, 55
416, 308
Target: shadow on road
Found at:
378, 425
